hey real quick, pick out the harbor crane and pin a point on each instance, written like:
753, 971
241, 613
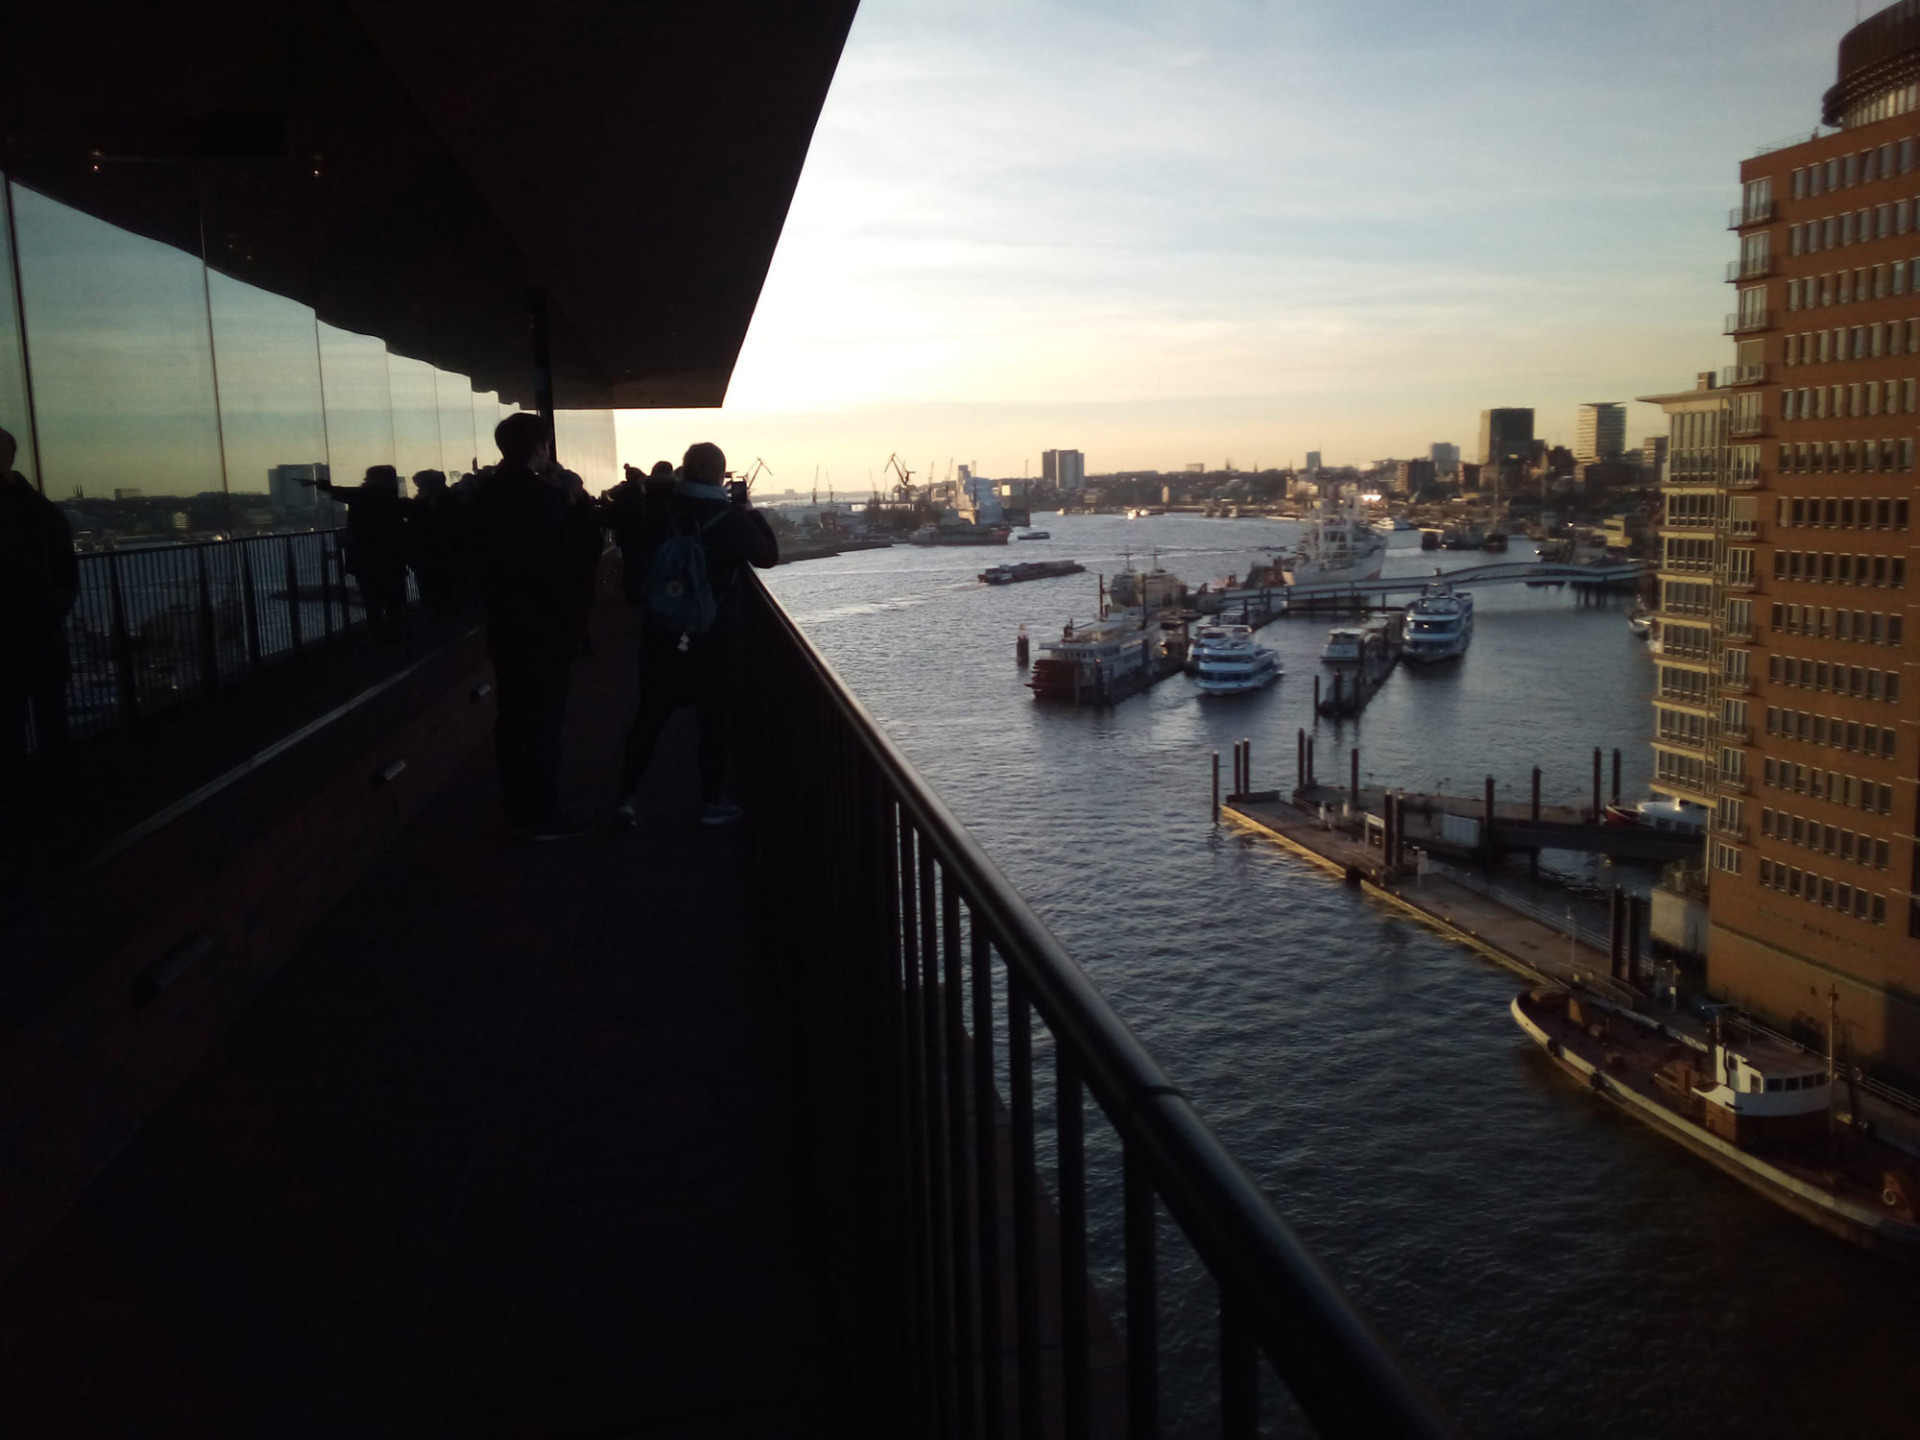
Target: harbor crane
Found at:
904, 488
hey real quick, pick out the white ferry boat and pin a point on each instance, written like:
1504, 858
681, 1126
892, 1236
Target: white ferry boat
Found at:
1234, 664
1208, 637
1439, 624
1338, 544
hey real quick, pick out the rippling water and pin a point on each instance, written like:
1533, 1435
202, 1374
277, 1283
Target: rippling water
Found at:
1551, 1267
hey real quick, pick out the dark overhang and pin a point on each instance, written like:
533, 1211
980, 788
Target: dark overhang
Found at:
412, 168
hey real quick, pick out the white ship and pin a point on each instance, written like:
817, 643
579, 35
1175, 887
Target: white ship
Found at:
1346, 644
1234, 663
1439, 624
1338, 544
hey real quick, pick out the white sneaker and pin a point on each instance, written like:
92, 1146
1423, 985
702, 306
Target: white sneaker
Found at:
719, 812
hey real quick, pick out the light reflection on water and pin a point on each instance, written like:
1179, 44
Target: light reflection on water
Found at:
1552, 1268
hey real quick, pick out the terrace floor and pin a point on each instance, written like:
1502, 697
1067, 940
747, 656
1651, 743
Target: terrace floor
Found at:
510, 1148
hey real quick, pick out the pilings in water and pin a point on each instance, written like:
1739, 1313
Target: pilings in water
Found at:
1021, 648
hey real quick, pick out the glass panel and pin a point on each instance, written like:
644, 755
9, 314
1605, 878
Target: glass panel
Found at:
416, 417
457, 443
359, 408
586, 444
486, 415
267, 362
15, 415
117, 338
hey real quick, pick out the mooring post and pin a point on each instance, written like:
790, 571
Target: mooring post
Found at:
1616, 775
1616, 925
1247, 747
1353, 764
1316, 694
1310, 772
1536, 795
1596, 784
1636, 931
1216, 787
1300, 758
1487, 839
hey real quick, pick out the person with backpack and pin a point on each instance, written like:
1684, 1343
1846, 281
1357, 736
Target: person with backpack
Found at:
692, 628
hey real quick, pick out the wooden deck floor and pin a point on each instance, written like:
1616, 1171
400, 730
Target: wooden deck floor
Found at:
510, 1148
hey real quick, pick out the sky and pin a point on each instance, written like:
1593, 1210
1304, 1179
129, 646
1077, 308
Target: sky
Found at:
1239, 230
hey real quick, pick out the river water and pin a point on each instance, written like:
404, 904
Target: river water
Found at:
1551, 1267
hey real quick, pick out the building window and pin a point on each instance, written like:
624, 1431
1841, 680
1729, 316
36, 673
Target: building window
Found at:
1726, 858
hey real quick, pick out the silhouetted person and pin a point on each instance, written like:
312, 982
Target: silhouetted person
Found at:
703, 670
376, 541
438, 545
589, 533
39, 580
634, 507
524, 546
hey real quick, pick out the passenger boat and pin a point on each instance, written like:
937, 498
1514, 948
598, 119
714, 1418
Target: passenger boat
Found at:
1439, 624
1235, 664
1099, 662
1156, 588
1034, 535
1346, 644
1338, 544
1757, 1107
1207, 637
1640, 622
1030, 570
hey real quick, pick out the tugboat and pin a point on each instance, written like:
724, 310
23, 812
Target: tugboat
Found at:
1755, 1106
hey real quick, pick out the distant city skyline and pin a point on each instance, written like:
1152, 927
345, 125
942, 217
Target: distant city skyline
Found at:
1185, 253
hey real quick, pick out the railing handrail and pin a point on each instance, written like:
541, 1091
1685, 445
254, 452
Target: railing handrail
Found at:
149, 547
1342, 1373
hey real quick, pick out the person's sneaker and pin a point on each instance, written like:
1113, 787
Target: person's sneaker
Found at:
559, 826
623, 814
719, 812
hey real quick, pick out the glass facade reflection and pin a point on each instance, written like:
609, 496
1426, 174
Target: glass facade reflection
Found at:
159, 400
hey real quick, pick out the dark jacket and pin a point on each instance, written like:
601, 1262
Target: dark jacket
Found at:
376, 526
524, 547
39, 575
737, 538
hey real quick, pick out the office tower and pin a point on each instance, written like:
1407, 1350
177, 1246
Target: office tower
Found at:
1505, 435
1599, 431
1313, 462
1812, 861
1445, 457
1653, 456
1064, 469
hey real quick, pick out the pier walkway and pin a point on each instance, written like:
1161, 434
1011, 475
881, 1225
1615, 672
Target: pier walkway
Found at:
1516, 825
512, 1146
1359, 594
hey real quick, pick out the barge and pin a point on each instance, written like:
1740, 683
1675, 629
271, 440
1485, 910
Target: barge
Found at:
1759, 1109
1030, 570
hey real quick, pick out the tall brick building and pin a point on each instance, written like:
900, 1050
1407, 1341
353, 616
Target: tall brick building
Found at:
1814, 755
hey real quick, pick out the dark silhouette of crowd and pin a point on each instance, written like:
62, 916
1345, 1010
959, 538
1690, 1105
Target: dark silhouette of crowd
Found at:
523, 539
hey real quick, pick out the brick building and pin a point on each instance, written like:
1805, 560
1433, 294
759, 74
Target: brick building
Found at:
1813, 862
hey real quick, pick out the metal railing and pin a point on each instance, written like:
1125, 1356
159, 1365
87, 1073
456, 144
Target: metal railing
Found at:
1749, 215
917, 972
157, 625
1753, 269
1741, 323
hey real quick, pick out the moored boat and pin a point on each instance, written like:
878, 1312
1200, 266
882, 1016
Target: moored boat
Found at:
961, 533
1439, 624
1235, 664
1099, 662
1760, 1109
1034, 535
1337, 544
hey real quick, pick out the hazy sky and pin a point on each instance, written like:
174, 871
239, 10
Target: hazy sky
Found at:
1210, 229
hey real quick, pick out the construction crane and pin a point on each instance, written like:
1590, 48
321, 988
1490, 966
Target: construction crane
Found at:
760, 467
904, 488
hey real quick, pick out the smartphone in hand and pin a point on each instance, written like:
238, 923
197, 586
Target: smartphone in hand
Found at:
737, 489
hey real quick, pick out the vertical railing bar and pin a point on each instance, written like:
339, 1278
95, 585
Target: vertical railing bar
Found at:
986, 1163
1239, 1370
939, 1197
1026, 1257
1070, 1128
954, 991
924, 1356
1142, 1284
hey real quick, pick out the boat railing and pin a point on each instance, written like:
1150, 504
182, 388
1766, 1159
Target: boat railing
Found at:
1879, 1089
916, 973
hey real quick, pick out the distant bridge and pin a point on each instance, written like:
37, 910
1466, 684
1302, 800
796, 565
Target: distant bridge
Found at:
1361, 594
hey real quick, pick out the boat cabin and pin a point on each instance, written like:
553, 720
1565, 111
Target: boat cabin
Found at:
1760, 1091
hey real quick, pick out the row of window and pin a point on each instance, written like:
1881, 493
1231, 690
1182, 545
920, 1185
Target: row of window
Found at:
1837, 679
1687, 686
1824, 890
1685, 597
1869, 627
1681, 727
1824, 402
1828, 785
1870, 222
1687, 552
1849, 735
1840, 512
1862, 167
1848, 287
1828, 568
1672, 768
1694, 640
1833, 457
1832, 840
1851, 342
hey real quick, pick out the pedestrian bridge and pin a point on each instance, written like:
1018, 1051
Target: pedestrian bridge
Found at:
1359, 594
